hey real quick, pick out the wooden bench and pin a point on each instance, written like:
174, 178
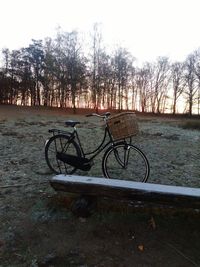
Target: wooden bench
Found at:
91, 187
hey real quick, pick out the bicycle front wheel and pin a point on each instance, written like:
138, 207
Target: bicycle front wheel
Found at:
125, 162
60, 144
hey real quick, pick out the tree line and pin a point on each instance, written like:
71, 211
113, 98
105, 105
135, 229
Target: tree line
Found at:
58, 72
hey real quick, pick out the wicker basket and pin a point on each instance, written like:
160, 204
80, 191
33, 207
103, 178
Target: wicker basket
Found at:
123, 125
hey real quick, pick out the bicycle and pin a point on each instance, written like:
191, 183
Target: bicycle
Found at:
64, 153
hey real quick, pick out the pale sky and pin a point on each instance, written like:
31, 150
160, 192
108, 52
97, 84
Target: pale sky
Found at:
147, 28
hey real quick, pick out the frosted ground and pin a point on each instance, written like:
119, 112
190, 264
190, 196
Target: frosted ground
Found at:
37, 228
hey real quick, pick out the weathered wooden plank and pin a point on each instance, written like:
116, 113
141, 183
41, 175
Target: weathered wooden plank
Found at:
121, 189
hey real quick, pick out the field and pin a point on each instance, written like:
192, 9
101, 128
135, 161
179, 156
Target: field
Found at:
37, 227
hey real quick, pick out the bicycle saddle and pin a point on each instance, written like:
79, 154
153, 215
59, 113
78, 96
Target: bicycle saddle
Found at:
71, 123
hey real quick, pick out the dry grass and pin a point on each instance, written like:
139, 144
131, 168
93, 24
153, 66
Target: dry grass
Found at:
37, 227
192, 124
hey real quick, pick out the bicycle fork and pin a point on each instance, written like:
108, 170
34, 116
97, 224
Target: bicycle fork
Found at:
123, 162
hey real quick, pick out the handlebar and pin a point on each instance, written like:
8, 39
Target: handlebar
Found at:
103, 116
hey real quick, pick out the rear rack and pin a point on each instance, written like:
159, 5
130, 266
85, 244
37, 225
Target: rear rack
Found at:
59, 131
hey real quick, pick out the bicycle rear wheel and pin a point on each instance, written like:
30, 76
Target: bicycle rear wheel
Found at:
60, 144
126, 162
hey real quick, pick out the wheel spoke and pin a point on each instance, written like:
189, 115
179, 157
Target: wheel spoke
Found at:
125, 162
117, 157
60, 144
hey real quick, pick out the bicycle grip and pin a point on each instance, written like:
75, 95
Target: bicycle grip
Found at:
89, 115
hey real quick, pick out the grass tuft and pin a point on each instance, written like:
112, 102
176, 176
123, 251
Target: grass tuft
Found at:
193, 125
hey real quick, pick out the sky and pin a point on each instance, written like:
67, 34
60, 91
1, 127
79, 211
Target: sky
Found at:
147, 28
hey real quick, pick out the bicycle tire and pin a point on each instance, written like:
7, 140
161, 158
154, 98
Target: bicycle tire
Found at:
126, 162
60, 143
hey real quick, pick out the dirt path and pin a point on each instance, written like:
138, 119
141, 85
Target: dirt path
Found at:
37, 227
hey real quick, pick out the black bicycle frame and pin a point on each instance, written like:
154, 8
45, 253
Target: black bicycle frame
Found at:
98, 150
74, 135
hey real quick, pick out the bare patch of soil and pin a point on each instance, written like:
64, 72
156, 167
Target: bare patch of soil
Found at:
37, 227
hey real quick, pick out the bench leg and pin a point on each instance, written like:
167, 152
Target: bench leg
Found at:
84, 206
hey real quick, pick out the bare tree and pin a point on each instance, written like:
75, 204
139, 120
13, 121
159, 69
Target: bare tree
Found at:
143, 83
197, 73
160, 83
190, 78
122, 66
76, 67
97, 52
49, 80
178, 83
36, 59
